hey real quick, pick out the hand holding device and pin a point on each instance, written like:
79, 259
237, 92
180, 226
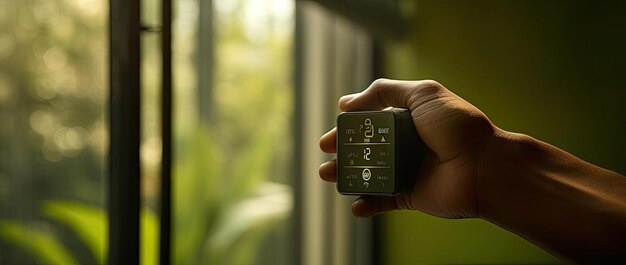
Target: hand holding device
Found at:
471, 168
452, 130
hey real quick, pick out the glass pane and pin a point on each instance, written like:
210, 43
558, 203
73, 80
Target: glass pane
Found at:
232, 194
150, 131
53, 131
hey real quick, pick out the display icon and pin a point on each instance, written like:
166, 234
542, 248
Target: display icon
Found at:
369, 128
367, 174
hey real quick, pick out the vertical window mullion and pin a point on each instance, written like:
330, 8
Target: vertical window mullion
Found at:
166, 134
124, 164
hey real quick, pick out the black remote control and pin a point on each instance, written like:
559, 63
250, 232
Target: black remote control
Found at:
378, 152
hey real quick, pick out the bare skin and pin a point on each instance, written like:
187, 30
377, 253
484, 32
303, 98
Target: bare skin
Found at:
473, 169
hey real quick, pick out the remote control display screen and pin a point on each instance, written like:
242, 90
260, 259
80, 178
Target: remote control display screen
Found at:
365, 152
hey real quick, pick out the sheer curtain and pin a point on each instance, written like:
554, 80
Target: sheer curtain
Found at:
334, 57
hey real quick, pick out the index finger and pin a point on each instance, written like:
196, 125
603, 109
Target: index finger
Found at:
328, 141
380, 94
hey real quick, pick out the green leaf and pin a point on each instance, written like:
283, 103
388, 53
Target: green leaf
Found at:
247, 219
149, 237
41, 243
197, 189
224, 206
88, 222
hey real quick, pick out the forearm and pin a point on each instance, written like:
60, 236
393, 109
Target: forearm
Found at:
564, 204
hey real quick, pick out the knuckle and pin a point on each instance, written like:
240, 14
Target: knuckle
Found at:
430, 85
431, 82
424, 91
378, 87
379, 83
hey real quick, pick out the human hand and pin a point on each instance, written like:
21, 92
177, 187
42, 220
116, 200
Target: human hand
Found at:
455, 133
560, 202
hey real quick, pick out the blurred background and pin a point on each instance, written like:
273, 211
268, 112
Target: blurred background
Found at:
255, 84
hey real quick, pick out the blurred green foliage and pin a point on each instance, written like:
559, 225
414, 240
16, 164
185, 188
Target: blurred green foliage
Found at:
41, 242
230, 182
53, 135
218, 220
221, 211
231, 172
88, 223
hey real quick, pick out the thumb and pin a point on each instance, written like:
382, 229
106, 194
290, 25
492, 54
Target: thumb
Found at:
380, 94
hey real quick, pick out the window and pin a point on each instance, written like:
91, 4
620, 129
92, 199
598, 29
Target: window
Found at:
53, 131
232, 195
86, 142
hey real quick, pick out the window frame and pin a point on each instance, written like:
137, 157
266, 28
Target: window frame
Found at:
123, 192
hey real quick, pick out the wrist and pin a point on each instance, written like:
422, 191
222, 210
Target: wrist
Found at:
551, 197
505, 155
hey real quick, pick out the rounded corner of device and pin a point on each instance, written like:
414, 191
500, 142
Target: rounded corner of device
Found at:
343, 192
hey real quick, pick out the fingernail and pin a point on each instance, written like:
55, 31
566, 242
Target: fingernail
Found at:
346, 99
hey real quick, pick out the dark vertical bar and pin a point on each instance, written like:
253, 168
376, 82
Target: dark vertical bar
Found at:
166, 134
124, 175
298, 146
